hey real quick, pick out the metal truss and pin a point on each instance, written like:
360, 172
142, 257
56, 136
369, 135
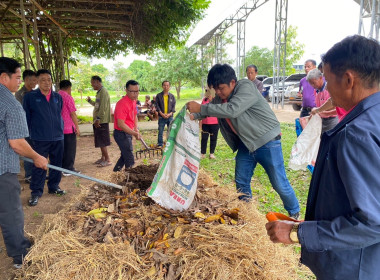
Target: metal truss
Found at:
370, 9
279, 53
239, 17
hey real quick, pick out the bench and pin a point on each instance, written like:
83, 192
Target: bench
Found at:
141, 116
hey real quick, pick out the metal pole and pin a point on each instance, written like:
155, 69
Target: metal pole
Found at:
361, 17
26, 47
372, 18
78, 174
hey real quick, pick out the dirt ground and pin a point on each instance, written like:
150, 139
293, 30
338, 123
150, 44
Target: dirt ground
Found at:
87, 154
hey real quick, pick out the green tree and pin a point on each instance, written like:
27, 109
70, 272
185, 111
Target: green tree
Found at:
155, 24
263, 57
120, 75
179, 66
142, 71
294, 50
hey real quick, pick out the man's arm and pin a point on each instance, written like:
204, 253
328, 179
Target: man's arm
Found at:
22, 147
325, 107
73, 116
121, 124
89, 100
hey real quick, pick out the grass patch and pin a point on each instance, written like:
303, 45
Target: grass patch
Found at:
84, 119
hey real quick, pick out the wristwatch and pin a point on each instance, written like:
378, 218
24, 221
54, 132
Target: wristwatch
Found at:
294, 233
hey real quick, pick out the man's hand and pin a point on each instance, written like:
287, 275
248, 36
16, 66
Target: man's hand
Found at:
88, 98
299, 94
314, 111
77, 132
193, 107
279, 231
97, 123
40, 162
192, 118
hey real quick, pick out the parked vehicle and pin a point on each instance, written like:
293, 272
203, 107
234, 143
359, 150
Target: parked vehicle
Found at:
284, 87
261, 77
267, 82
294, 99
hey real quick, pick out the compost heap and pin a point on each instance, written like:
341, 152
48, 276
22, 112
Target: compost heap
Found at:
111, 235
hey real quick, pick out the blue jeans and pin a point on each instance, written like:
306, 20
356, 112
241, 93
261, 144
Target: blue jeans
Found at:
161, 126
270, 157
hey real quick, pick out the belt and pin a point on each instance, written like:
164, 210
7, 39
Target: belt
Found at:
278, 137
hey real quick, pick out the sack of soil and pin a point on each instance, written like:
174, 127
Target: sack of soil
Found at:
175, 183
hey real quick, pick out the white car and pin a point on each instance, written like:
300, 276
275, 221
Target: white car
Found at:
286, 87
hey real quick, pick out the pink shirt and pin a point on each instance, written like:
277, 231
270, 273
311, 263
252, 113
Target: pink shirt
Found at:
209, 120
321, 96
48, 96
67, 108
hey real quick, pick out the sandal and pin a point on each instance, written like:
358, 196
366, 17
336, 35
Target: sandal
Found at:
105, 163
99, 161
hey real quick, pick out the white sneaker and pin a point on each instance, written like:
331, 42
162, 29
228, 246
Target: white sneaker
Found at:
212, 156
203, 155
17, 265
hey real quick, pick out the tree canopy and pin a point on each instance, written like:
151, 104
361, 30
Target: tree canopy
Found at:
155, 24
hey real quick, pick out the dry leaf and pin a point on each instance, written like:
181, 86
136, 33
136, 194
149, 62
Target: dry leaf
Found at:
177, 232
179, 251
151, 272
212, 218
199, 215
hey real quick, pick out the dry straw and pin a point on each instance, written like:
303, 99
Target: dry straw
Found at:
191, 249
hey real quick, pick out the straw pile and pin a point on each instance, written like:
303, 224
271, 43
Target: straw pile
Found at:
219, 237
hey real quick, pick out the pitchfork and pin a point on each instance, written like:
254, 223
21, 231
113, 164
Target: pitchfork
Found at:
156, 151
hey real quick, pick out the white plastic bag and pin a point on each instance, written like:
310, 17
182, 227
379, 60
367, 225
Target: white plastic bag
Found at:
175, 183
305, 150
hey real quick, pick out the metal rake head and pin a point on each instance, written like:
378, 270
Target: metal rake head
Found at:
151, 152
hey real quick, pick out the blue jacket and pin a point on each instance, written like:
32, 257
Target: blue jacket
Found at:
44, 118
340, 237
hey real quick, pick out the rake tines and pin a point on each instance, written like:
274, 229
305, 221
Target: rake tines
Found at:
149, 152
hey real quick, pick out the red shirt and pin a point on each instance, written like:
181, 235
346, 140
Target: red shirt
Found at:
125, 110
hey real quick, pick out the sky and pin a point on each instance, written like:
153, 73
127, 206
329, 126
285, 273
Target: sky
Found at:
321, 23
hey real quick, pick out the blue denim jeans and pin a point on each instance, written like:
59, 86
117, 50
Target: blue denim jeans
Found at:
161, 126
270, 157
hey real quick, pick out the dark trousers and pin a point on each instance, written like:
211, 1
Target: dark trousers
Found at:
69, 151
53, 150
12, 217
28, 166
305, 111
124, 141
212, 130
